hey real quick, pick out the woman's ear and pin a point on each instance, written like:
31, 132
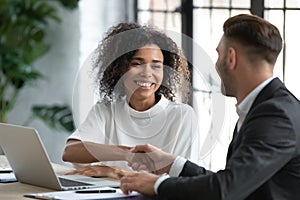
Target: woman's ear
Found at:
231, 57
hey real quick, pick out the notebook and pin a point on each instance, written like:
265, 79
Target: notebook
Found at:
30, 163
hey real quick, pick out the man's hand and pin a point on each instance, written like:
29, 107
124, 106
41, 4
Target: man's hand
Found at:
142, 182
101, 171
157, 162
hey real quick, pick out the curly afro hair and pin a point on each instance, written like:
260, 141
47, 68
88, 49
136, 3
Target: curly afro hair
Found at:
121, 42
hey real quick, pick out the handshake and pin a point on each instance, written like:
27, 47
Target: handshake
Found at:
146, 158
147, 162
149, 158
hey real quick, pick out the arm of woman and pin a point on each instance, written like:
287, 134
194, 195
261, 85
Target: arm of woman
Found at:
77, 151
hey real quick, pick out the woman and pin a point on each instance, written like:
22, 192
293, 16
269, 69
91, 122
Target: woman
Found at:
141, 75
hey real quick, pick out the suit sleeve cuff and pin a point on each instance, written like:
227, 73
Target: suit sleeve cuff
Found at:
175, 170
177, 166
159, 181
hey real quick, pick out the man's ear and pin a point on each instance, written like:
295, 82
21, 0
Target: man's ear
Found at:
231, 58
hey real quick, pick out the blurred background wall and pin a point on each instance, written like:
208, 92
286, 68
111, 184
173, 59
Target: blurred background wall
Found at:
71, 42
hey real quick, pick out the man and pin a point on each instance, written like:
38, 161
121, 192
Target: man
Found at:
263, 160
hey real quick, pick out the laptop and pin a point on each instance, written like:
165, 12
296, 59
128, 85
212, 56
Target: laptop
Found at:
30, 163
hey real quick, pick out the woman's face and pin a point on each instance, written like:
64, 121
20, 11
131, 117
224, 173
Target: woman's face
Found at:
145, 73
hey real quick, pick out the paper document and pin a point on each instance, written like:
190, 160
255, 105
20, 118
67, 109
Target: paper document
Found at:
7, 177
95, 193
5, 170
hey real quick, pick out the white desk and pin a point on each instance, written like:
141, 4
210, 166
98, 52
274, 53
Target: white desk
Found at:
16, 190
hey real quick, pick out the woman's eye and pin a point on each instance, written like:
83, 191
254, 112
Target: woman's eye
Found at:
135, 64
156, 66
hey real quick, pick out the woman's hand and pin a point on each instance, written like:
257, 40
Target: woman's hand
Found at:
101, 171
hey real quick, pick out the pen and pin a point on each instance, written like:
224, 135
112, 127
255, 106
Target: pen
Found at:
95, 191
40, 196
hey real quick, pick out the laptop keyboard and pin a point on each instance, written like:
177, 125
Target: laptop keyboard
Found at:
69, 183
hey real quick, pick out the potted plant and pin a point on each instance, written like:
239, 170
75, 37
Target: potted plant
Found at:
23, 26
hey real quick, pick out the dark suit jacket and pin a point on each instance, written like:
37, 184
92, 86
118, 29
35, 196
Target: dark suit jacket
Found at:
263, 160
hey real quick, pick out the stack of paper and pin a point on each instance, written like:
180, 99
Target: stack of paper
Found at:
7, 175
95, 193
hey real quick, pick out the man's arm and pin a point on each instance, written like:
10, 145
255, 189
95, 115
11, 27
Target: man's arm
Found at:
263, 146
191, 169
144, 183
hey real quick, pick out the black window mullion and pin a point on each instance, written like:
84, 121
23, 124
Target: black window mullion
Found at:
187, 30
257, 7
135, 9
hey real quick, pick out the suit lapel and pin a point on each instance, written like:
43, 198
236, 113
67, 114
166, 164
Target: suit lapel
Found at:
266, 93
229, 153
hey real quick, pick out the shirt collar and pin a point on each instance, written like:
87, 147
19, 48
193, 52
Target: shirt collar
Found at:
157, 108
243, 108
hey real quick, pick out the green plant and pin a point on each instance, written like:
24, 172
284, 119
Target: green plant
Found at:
23, 26
58, 117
